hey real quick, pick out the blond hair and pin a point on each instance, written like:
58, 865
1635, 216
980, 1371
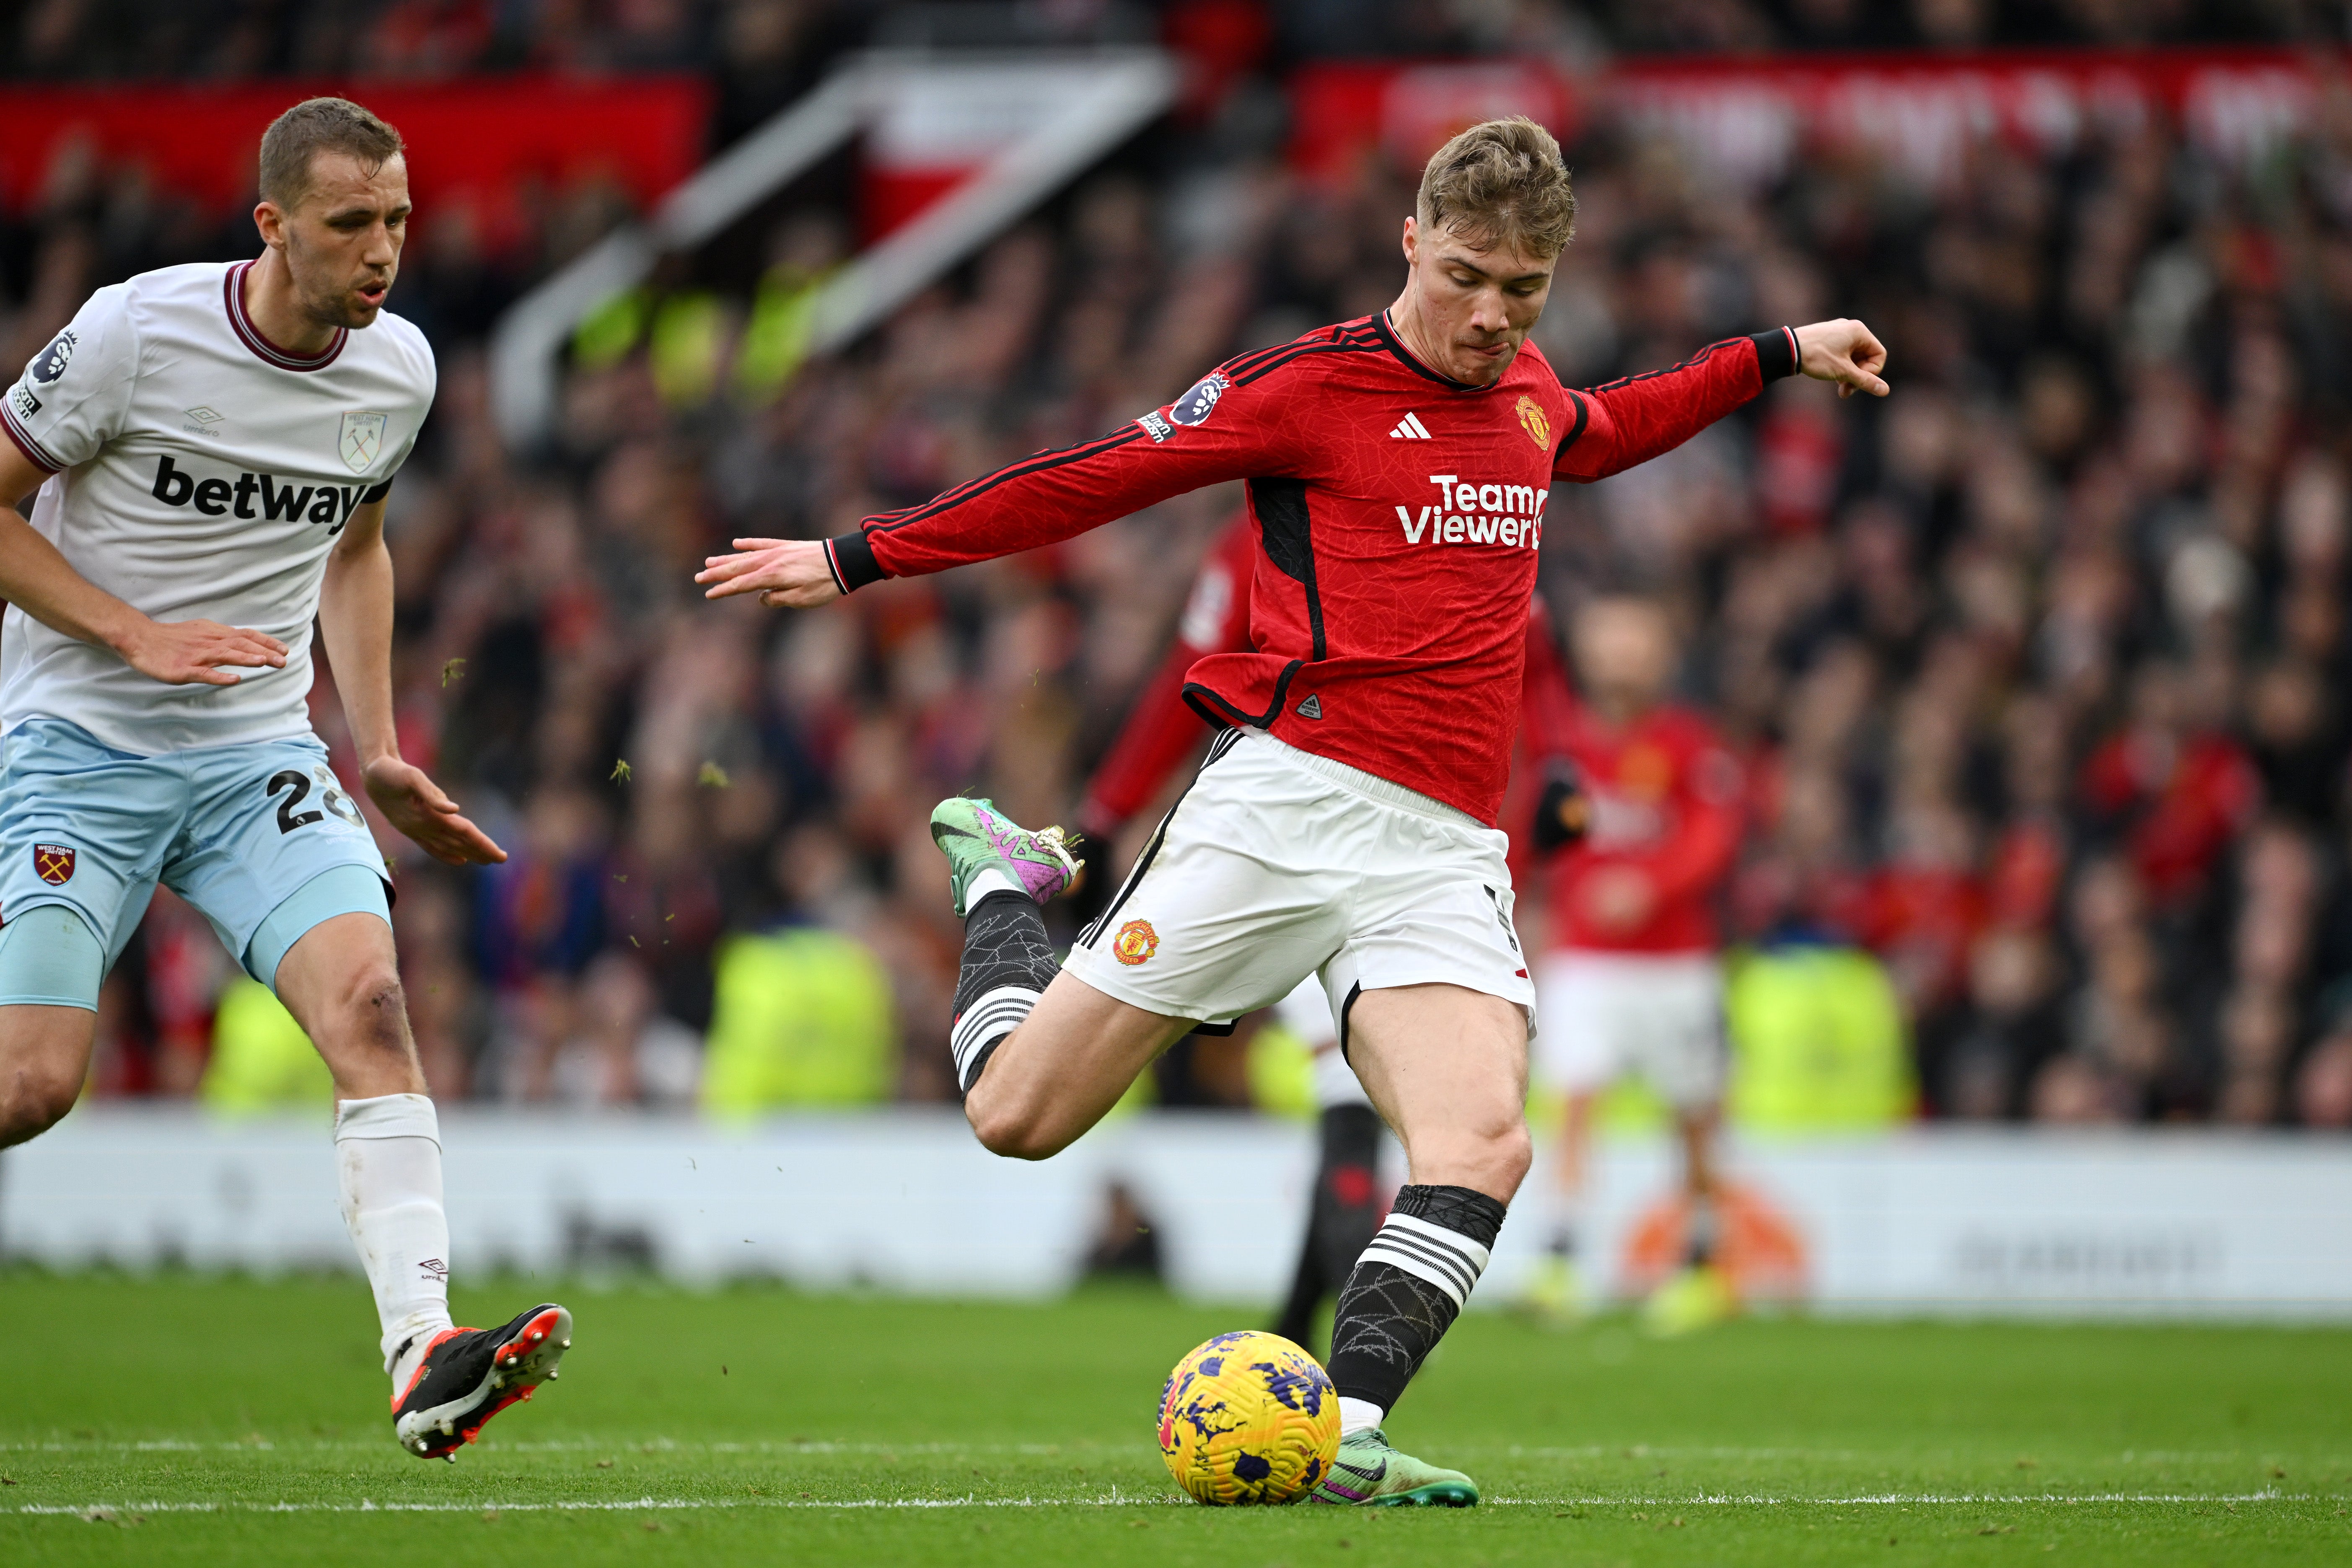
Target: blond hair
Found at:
319, 125
1500, 183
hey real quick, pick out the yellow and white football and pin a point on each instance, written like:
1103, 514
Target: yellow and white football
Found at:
1248, 1418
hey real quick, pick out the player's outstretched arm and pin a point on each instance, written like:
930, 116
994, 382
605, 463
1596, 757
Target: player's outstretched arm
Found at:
1230, 425
355, 623
40, 580
1629, 421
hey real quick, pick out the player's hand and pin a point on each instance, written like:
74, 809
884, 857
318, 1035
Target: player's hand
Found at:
1845, 353
415, 804
1618, 898
1565, 813
787, 574
187, 652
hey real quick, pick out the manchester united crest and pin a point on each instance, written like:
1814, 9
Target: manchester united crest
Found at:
362, 438
1135, 942
1535, 422
54, 863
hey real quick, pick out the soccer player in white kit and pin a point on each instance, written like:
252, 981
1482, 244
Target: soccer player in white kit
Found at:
212, 446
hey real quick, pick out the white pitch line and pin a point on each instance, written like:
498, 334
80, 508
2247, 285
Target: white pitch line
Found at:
100, 1511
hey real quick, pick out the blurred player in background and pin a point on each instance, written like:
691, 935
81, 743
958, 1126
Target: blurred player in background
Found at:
213, 444
1631, 986
1399, 466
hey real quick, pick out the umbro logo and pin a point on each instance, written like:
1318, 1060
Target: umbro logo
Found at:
204, 413
1410, 428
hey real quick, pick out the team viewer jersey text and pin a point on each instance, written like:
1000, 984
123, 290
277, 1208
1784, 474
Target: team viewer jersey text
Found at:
198, 473
1398, 514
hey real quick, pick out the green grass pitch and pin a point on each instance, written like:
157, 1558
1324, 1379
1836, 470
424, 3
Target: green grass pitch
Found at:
187, 1420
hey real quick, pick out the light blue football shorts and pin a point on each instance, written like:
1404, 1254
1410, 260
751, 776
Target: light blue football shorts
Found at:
260, 836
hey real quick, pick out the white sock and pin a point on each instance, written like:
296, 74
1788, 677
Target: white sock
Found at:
1359, 1414
388, 1174
988, 881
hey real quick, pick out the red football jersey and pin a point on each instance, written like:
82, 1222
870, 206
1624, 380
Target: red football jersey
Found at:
1399, 512
1161, 729
1665, 799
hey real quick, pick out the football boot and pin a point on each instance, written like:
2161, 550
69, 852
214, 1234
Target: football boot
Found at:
1368, 1473
976, 838
1555, 1296
469, 1375
1692, 1298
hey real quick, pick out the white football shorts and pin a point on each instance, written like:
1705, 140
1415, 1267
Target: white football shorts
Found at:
1277, 864
1656, 1017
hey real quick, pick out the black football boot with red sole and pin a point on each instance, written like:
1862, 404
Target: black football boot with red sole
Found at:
470, 1375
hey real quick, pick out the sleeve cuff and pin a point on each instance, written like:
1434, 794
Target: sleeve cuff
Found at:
1776, 352
27, 445
851, 557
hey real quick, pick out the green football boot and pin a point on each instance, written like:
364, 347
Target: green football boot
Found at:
976, 838
1368, 1473
1555, 1296
1696, 1298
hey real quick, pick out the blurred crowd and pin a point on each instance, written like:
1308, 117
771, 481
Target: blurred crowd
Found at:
2039, 667
759, 49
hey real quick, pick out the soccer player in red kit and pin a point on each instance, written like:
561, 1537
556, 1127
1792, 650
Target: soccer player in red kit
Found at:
1398, 469
1631, 986
1162, 732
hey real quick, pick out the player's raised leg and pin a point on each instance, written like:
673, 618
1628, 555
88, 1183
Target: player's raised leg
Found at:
1040, 1056
1447, 1068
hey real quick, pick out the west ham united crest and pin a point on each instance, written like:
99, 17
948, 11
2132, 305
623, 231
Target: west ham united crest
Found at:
54, 863
361, 439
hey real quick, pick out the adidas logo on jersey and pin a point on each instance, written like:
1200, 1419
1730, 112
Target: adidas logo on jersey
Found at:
1410, 428
330, 504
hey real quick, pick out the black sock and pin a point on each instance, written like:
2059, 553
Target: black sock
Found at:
1408, 1288
1702, 1234
1342, 1218
1007, 964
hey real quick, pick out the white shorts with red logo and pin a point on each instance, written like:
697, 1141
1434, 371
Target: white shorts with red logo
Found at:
1657, 1016
1277, 864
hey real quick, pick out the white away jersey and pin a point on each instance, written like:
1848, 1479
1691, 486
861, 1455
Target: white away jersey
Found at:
198, 473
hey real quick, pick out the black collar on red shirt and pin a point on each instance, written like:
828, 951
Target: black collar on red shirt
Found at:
1386, 329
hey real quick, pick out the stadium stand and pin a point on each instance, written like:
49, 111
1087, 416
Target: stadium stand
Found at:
2039, 668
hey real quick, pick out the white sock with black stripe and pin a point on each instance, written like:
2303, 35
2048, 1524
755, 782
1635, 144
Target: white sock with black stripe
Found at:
1405, 1292
988, 1019
1446, 1259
